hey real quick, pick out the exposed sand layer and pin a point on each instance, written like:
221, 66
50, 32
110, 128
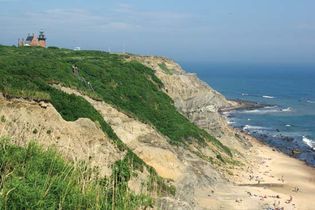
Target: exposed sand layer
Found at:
145, 141
81, 140
188, 172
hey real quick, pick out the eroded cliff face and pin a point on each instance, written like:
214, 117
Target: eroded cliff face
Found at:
199, 184
23, 121
188, 172
194, 98
82, 140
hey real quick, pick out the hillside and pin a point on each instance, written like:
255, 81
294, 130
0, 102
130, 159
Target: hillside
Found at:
32, 102
130, 86
94, 130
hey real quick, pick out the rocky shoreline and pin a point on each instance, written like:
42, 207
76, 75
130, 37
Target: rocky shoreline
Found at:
242, 105
293, 147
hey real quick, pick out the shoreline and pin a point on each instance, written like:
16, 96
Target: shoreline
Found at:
288, 145
272, 176
242, 105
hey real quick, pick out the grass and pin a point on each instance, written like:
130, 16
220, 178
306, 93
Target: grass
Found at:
34, 178
26, 94
165, 69
129, 86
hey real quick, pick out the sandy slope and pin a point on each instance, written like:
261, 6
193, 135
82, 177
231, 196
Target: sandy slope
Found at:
81, 140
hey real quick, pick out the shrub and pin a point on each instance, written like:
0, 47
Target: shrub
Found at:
3, 119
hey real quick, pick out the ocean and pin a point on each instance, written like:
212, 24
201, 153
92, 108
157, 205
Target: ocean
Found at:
287, 122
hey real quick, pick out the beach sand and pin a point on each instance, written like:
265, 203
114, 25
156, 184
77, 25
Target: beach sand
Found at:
295, 177
269, 180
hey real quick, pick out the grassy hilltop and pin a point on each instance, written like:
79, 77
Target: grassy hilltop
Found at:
129, 86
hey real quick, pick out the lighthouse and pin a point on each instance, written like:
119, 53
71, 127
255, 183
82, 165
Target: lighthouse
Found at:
33, 40
42, 39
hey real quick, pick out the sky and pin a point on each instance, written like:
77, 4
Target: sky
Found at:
223, 31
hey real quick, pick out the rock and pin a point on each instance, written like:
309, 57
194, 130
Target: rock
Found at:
43, 104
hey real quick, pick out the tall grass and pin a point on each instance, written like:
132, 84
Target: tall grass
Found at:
34, 178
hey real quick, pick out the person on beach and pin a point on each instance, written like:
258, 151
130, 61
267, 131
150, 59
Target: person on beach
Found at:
290, 200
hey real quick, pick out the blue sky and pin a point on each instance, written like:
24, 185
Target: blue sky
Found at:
264, 31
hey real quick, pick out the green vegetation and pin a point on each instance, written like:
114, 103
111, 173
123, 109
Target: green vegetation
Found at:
33, 178
20, 76
2, 119
129, 86
124, 170
26, 94
165, 69
73, 107
35, 131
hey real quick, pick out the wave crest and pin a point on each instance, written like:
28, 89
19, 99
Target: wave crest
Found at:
252, 127
266, 110
269, 97
309, 142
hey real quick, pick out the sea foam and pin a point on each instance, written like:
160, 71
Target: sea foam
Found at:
268, 109
269, 97
252, 127
309, 142
289, 109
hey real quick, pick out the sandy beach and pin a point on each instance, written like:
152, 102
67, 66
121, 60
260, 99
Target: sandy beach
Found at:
270, 180
298, 178
291, 181
273, 177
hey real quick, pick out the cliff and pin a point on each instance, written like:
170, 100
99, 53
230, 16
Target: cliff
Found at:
194, 98
150, 131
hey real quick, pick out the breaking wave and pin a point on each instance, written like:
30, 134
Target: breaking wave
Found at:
309, 142
269, 97
252, 127
269, 109
289, 109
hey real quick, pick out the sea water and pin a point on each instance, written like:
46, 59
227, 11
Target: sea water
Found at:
287, 122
